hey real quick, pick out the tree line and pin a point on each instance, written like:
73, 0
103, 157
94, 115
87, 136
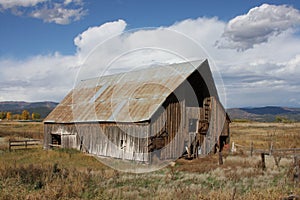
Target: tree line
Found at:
25, 115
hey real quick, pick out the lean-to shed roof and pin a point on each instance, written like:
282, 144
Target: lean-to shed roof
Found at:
126, 97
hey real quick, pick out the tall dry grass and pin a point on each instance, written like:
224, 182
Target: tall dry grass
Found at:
69, 174
21, 129
282, 135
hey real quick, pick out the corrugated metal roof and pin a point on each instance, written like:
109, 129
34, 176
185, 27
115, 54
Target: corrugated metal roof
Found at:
126, 97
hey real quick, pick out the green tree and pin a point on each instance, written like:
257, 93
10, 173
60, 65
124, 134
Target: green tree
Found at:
282, 119
2, 115
25, 115
35, 115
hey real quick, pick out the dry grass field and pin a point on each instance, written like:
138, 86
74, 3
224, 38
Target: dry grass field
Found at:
68, 174
21, 129
282, 135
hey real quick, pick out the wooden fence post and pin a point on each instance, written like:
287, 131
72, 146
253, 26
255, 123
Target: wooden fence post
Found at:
263, 163
9, 147
271, 149
220, 158
296, 175
277, 160
298, 167
251, 149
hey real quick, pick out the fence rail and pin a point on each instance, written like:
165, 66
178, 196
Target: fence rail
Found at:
24, 143
269, 151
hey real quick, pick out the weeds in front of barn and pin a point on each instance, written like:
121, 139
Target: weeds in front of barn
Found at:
69, 174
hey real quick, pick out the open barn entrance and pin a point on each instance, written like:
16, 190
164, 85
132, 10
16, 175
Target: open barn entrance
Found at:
55, 139
223, 140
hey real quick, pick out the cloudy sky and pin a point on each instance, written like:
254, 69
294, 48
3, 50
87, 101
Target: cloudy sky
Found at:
252, 46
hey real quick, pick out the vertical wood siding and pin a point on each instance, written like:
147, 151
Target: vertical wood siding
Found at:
103, 139
216, 125
169, 126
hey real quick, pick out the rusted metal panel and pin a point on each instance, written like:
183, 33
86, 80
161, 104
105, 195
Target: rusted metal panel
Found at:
127, 97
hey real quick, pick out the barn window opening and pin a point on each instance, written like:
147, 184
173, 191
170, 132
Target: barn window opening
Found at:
55, 139
122, 145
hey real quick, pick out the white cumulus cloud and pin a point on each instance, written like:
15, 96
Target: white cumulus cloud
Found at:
59, 12
93, 36
5, 4
258, 26
37, 78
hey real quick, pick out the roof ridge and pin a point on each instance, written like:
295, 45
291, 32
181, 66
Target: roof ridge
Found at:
153, 66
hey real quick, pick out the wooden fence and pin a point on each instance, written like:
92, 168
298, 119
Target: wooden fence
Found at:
277, 154
271, 151
22, 143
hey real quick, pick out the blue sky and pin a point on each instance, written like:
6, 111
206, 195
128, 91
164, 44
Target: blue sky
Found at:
23, 36
253, 44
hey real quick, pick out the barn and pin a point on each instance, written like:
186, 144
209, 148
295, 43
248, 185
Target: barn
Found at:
162, 112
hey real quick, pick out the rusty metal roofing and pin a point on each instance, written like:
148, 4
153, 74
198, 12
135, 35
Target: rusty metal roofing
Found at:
126, 97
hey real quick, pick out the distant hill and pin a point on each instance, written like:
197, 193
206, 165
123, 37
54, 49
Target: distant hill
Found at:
264, 114
16, 107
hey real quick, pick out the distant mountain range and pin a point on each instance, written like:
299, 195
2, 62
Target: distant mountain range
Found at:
262, 114
16, 107
265, 114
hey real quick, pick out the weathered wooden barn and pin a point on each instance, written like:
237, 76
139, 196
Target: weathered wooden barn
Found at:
161, 112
